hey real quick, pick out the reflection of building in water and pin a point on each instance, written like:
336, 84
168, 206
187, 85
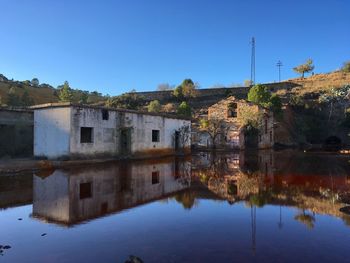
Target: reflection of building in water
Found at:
311, 182
220, 172
73, 196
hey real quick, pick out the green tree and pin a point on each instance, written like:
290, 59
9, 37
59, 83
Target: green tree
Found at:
346, 66
189, 88
178, 92
184, 109
186, 90
275, 104
259, 94
154, 106
307, 67
84, 98
35, 82
262, 97
65, 94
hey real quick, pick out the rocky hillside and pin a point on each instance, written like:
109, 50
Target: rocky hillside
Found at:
318, 83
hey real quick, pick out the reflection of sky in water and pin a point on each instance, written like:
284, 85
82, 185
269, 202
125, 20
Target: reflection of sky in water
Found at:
295, 217
166, 232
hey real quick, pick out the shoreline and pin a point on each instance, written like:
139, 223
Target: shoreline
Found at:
15, 166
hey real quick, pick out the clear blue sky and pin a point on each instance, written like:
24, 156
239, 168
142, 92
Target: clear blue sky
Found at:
116, 46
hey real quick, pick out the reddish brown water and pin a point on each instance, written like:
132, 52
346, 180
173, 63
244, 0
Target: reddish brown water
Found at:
256, 207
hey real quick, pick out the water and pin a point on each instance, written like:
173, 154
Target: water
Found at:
247, 207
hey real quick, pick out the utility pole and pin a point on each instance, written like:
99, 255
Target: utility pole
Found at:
252, 63
279, 65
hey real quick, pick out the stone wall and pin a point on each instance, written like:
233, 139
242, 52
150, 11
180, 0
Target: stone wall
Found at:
207, 97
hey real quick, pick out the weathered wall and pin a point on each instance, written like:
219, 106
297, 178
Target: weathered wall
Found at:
267, 132
202, 94
52, 132
105, 132
141, 133
16, 133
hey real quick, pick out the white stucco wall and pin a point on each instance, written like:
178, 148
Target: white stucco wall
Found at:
105, 132
142, 126
58, 132
52, 132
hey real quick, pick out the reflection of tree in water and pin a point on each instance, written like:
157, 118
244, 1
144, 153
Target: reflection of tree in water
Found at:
346, 220
187, 199
260, 199
183, 172
247, 184
306, 219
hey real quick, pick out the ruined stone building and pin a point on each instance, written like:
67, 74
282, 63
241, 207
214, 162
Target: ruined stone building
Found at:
69, 130
275, 131
232, 134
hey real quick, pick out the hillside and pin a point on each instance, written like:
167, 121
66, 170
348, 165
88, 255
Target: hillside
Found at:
40, 93
318, 83
315, 85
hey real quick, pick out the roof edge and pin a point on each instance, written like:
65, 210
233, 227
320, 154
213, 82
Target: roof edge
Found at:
69, 104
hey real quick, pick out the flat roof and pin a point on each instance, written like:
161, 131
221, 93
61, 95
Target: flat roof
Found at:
69, 104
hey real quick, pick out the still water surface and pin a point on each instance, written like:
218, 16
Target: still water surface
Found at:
256, 207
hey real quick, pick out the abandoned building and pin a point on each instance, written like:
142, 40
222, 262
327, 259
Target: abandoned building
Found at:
16, 129
231, 135
66, 130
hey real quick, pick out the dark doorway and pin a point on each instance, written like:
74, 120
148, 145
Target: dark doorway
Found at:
177, 140
125, 141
